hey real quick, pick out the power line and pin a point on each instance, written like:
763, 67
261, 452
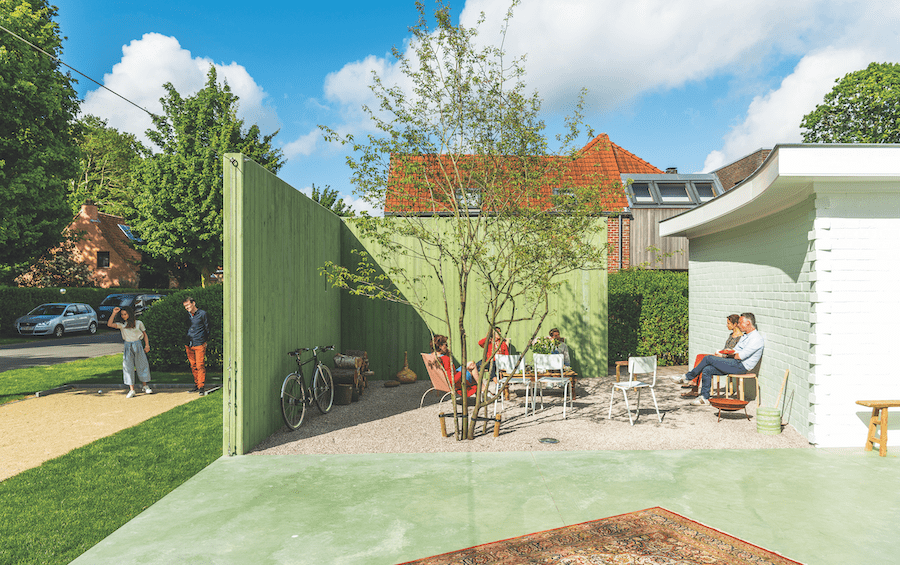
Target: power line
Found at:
61, 62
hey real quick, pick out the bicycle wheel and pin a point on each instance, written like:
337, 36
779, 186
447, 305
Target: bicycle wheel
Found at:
323, 388
293, 407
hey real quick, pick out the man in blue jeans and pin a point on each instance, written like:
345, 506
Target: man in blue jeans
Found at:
747, 354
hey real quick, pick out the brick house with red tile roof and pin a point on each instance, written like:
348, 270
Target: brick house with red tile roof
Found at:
599, 159
105, 247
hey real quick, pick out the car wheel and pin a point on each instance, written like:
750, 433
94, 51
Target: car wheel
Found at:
58, 331
92, 328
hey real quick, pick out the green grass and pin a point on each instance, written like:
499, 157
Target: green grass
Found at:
53, 513
19, 383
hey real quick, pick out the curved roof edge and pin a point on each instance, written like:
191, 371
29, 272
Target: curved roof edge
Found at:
785, 178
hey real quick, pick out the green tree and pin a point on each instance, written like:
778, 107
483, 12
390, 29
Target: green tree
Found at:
179, 205
328, 197
863, 107
108, 159
38, 154
465, 160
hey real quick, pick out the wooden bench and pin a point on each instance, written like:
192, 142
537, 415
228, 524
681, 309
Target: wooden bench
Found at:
879, 416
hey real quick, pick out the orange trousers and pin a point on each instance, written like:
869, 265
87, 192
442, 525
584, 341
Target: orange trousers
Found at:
197, 358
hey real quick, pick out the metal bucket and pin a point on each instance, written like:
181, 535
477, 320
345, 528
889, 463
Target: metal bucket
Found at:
342, 394
768, 421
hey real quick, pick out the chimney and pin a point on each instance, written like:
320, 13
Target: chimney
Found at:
89, 211
672, 171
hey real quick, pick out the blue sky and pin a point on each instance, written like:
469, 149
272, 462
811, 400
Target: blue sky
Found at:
694, 85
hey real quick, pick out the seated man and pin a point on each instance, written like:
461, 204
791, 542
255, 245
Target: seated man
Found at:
747, 354
561, 346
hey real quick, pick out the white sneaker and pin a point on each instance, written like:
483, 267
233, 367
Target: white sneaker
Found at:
700, 401
130, 394
147, 390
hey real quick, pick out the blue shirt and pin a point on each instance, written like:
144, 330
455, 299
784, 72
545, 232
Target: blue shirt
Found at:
750, 349
198, 331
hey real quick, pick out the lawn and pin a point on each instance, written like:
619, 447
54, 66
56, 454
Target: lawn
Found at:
19, 383
53, 513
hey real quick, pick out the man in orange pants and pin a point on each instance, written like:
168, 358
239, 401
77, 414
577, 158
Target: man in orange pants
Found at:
197, 336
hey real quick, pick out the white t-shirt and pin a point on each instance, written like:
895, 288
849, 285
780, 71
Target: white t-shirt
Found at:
131, 334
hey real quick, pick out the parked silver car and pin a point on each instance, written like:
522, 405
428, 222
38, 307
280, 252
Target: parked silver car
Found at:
58, 319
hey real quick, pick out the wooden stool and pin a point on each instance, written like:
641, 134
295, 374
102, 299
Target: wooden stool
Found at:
740, 379
619, 365
879, 416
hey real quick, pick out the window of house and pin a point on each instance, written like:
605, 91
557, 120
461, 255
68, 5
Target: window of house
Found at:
102, 259
469, 199
671, 192
641, 191
704, 191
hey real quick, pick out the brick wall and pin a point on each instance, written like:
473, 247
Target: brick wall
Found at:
762, 267
854, 249
612, 238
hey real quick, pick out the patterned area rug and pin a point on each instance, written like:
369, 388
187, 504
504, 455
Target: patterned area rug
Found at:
648, 537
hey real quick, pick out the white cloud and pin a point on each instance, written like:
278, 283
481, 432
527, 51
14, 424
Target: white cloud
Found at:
303, 145
155, 59
775, 117
620, 50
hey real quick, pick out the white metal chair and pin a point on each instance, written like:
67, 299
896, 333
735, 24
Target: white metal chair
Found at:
636, 365
511, 365
544, 363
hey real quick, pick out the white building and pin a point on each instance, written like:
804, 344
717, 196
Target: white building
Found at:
810, 243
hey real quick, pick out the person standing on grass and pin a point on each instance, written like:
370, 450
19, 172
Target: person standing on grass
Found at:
197, 336
134, 360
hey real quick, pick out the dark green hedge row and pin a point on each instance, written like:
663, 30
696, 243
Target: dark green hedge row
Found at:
167, 324
17, 301
648, 315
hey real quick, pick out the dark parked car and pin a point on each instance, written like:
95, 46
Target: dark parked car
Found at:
139, 302
57, 319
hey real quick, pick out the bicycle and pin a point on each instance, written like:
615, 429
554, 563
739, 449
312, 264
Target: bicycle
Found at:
296, 395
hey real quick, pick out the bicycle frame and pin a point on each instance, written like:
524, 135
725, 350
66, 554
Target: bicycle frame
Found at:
296, 395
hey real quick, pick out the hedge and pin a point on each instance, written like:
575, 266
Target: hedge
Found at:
648, 315
17, 301
167, 324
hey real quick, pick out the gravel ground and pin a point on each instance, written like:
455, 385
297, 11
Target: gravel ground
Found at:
389, 420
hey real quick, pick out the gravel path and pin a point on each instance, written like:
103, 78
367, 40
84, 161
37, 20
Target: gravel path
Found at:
38, 429
389, 420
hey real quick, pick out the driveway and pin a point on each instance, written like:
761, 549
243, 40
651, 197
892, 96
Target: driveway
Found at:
49, 351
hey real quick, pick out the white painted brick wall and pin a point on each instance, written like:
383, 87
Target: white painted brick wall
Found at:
761, 268
856, 271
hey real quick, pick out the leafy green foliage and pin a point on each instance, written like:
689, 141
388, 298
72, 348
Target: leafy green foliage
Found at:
180, 202
467, 144
38, 154
53, 513
18, 301
863, 107
108, 158
648, 315
328, 197
167, 323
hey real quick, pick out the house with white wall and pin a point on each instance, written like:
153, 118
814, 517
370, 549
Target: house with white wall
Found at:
810, 243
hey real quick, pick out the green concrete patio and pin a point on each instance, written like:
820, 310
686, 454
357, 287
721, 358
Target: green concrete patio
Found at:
816, 506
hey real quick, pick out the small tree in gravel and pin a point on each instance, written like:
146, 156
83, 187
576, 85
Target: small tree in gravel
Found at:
494, 215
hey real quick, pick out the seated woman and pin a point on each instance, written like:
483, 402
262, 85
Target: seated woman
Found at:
498, 343
731, 322
440, 345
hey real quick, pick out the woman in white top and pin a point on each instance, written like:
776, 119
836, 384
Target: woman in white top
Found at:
134, 360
